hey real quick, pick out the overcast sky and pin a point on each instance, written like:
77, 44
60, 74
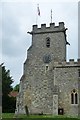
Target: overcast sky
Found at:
17, 19
79, 29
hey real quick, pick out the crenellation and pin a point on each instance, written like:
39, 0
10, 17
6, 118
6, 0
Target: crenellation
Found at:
78, 60
52, 25
61, 24
71, 60
43, 26
51, 28
35, 27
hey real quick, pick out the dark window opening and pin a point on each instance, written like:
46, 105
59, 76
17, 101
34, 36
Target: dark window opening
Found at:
48, 42
60, 111
26, 109
76, 100
47, 67
79, 72
72, 98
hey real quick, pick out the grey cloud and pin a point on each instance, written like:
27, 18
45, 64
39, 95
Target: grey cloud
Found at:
15, 65
12, 49
14, 41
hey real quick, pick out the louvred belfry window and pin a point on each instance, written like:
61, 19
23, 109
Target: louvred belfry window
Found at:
48, 42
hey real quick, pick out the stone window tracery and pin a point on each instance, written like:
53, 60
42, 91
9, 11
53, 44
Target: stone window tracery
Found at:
74, 97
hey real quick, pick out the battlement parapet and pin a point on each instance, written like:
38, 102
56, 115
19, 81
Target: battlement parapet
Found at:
78, 60
51, 28
71, 62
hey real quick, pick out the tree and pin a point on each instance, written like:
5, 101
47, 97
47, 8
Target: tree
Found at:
8, 103
0, 89
16, 88
6, 81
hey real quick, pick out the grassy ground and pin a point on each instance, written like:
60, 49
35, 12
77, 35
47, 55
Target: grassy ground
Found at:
12, 116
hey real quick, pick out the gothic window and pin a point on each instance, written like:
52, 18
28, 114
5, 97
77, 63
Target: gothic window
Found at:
60, 111
48, 42
74, 97
46, 68
76, 100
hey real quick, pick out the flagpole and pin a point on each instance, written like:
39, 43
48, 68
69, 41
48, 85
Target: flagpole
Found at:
36, 17
51, 15
37, 13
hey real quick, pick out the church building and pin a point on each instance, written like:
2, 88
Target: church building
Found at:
49, 84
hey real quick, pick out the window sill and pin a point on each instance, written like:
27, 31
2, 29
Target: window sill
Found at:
74, 104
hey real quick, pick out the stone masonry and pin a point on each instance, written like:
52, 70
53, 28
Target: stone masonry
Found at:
50, 84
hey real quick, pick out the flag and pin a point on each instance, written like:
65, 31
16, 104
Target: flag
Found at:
38, 10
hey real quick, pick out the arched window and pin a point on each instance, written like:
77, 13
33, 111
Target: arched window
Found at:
46, 68
48, 42
74, 97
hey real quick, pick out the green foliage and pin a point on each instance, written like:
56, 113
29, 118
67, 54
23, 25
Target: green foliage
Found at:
8, 103
7, 115
0, 86
16, 88
6, 81
36, 117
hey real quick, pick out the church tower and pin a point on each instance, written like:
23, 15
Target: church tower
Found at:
49, 42
41, 83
